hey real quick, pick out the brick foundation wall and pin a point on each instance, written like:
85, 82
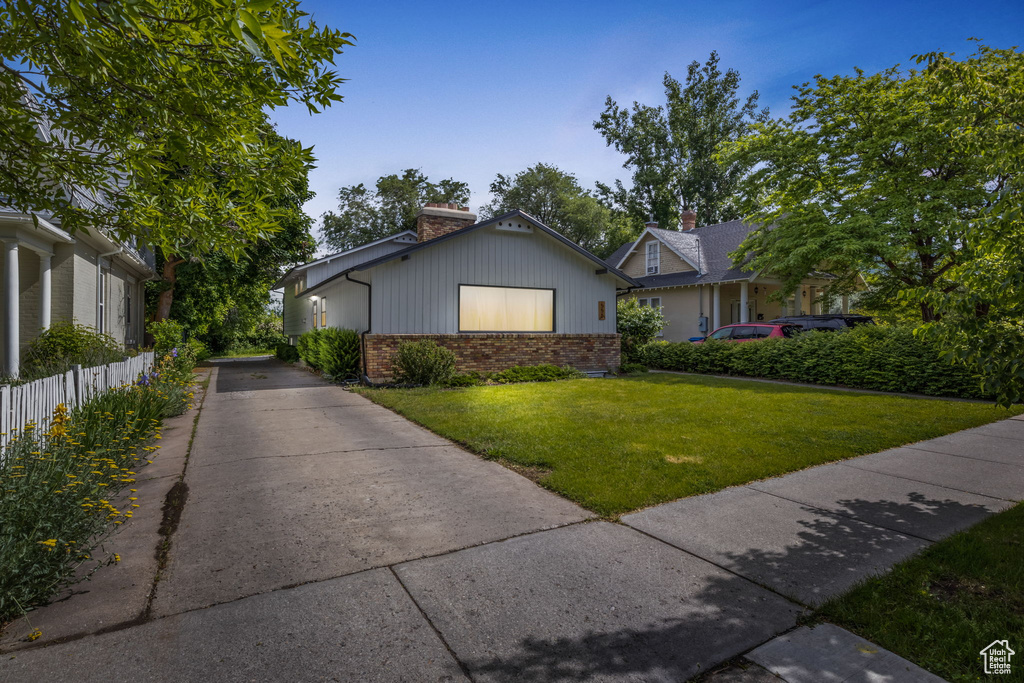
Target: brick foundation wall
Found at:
491, 352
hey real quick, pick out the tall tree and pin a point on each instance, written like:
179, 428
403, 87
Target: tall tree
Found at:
861, 180
365, 215
556, 199
671, 148
982, 321
221, 299
147, 118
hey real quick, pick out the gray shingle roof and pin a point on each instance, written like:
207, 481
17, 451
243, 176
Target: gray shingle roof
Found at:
708, 246
617, 255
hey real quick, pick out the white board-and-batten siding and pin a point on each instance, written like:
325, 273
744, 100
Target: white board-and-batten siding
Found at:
421, 295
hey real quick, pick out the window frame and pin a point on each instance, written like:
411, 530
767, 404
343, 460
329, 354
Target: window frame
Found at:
323, 312
657, 258
554, 309
316, 313
101, 303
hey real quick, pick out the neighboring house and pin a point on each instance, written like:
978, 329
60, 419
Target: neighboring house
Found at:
49, 276
690, 276
503, 292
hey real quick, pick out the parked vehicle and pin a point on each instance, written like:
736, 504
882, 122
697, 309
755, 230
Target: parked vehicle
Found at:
744, 332
826, 322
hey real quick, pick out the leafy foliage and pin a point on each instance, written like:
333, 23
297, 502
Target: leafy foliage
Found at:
866, 357
423, 363
544, 372
308, 347
224, 300
982, 321
365, 215
153, 114
556, 199
633, 369
637, 324
671, 149
287, 352
65, 344
339, 352
167, 334
863, 180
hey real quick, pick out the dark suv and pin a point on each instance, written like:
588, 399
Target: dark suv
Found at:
825, 323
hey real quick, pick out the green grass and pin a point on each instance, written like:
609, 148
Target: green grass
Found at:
940, 608
621, 444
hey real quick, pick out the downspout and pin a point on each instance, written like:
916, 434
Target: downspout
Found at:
369, 324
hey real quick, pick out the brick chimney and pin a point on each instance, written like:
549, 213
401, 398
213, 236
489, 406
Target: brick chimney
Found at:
435, 220
651, 224
687, 220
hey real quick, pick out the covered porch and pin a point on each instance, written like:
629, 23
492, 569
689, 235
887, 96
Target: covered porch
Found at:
25, 271
753, 300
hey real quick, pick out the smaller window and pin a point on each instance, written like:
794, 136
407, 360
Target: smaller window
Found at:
323, 312
316, 316
653, 258
642, 302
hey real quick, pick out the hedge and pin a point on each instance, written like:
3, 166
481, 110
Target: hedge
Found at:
332, 350
868, 357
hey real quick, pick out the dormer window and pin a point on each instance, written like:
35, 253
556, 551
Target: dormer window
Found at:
653, 258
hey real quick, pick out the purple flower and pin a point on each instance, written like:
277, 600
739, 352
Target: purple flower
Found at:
174, 352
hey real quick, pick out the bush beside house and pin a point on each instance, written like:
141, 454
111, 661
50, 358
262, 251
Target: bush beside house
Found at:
333, 351
868, 357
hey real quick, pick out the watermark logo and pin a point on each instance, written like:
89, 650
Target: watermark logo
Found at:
997, 657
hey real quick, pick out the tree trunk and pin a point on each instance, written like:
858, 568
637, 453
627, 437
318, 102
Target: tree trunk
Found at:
170, 275
928, 313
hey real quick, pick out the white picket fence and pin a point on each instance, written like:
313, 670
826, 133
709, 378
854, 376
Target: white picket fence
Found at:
34, 402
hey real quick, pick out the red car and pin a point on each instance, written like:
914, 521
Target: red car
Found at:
744, 332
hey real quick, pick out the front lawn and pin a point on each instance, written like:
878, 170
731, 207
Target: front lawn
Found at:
618, 445
942, 607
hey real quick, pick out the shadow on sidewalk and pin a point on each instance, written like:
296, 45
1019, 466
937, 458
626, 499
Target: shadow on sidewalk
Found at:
828, 550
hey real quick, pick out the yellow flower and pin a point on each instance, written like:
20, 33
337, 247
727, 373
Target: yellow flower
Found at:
35, 635
49, 542
117, 558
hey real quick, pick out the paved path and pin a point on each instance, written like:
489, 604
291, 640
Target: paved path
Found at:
326, 538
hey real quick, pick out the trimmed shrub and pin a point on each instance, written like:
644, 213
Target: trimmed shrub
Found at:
339, 354
468, 379
308, 347
65, 344
422, 362
536, 373
867, 357
287, 352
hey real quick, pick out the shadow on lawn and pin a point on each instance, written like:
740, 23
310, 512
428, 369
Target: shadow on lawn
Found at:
833, 553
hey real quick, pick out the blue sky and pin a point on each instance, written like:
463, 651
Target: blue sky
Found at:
469, 90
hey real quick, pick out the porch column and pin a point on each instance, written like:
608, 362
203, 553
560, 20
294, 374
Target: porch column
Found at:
716, 307
798, 302
811, 305
44, 291
744, 303
11, 330
846, 303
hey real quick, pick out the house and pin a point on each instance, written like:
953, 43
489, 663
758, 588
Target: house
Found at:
688, 274
502, 292
49, 275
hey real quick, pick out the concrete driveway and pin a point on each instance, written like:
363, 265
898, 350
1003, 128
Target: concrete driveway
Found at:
323, 537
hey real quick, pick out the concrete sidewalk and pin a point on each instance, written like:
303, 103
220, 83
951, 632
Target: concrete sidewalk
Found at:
324, 537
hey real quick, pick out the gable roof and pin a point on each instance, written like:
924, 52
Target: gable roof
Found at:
330, 257
616, 256
455, 234
706, 248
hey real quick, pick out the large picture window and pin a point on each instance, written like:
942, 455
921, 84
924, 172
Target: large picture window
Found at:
506, 309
